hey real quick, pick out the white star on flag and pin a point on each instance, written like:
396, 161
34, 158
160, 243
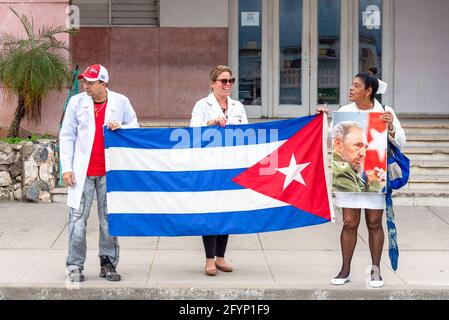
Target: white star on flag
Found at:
293, 172
378, 143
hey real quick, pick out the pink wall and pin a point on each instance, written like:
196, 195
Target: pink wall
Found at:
49, 12
163, 71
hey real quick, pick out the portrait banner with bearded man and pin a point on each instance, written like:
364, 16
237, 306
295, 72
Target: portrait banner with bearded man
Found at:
359, 152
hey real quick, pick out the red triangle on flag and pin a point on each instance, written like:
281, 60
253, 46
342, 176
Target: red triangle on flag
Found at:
301, 184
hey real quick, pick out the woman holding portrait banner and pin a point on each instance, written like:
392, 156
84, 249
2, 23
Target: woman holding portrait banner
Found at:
362, 95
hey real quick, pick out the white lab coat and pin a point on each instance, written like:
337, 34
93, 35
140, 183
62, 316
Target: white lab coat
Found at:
208, 109
77, 135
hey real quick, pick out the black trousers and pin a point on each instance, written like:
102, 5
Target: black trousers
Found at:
215, 246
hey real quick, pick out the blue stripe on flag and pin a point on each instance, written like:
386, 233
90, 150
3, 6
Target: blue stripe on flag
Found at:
242, 222
204, 137
186, 181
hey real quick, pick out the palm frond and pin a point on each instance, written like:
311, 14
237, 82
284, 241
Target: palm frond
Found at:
29, 27
53, 45
7, 39
51, 32
33, 66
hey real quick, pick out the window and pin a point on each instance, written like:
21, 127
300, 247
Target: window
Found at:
118, 12
250, 51
329, 14
290, 46
370, 35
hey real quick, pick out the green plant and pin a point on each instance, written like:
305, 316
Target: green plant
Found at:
12, 140
33, 137
31, 67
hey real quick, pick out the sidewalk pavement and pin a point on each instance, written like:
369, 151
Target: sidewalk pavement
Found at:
291, 264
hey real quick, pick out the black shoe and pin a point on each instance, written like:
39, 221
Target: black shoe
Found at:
108, 270
76, 275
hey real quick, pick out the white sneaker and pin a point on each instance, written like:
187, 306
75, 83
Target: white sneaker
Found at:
340, 281
376, 280
376, 283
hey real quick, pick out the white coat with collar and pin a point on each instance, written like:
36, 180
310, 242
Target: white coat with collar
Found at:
208, 109
77, 135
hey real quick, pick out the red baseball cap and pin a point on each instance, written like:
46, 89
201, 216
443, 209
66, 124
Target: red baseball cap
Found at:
95, 72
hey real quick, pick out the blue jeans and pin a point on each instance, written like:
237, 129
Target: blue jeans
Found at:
108, 245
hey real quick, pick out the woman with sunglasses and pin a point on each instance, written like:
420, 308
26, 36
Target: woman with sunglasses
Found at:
218, 109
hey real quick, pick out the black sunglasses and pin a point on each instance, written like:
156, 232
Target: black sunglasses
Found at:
225, 81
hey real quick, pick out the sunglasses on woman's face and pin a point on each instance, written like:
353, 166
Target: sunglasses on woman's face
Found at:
225, 81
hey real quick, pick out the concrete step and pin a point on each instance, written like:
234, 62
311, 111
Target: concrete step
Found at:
427, 157
427, 137
404, 192
426, 179
422, 122
438, 127
426, 186
428, 182
427, 131
427, 153
222, 296
430, 168
416, 198
58, 195
427, 141
428, 150
428, 144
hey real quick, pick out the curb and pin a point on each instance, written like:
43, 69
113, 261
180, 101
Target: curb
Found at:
26, 293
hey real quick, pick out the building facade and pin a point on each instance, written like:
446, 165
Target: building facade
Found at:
287, 55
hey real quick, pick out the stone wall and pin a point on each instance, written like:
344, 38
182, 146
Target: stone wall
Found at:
28, 170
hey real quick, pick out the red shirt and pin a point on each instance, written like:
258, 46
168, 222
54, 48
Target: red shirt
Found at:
97, 166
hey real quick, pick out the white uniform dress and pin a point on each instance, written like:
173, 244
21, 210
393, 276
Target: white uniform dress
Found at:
208, 109
361, 199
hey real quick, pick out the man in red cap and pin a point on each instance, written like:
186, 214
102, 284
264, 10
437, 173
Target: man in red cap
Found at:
83, 166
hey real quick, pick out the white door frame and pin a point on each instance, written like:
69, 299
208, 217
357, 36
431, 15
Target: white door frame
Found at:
287, 110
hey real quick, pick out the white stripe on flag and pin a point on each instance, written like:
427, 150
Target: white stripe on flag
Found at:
190, 202
194, 159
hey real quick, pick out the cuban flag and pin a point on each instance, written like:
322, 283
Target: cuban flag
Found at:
211, 181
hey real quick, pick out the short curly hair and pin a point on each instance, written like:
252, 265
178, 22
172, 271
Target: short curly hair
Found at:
219, 70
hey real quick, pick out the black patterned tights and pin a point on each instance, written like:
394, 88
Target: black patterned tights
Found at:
348, 238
